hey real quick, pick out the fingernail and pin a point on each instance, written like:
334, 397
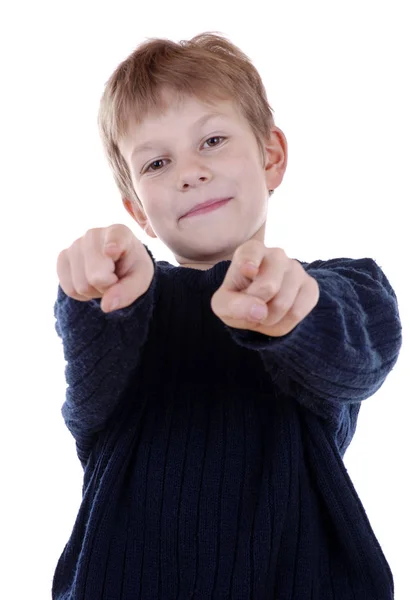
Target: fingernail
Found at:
258, 312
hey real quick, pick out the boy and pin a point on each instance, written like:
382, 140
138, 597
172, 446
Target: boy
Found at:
211, 436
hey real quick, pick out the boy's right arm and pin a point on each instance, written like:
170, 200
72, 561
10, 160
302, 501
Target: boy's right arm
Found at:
102, 348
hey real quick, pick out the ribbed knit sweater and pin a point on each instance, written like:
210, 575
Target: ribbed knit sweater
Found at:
213, 456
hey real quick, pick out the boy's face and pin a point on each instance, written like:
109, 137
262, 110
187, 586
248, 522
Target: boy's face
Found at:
191, 160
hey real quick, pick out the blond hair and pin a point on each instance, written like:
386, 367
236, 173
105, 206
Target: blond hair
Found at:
208, 67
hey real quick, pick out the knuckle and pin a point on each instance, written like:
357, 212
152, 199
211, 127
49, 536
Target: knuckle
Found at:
237, 254
97, 279
70, 290
269, 289
246, 251
215, 301
254, 244
281, 304
82, 288
279, 254
90, 233
76, 245
118, 227
116, 232
61, 259
296, 313
312, 282
239, 307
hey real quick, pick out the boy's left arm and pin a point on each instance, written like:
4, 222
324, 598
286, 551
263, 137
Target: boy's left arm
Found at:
332, 330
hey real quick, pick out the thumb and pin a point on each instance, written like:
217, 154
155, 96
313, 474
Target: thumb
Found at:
228, 304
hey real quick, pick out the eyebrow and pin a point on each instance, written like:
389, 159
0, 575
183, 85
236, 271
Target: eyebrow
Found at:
199, 123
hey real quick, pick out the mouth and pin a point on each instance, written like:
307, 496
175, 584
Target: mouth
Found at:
206, 207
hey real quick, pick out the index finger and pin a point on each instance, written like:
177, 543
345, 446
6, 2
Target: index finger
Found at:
100, 259
116, 236
245, 265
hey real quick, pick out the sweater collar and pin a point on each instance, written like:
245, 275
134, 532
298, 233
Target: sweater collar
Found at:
197, 278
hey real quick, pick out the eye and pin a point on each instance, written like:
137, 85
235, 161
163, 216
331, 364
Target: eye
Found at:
215, 137
159, 160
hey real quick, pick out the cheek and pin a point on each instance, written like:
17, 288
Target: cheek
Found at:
151, 195
234, 164
245, 169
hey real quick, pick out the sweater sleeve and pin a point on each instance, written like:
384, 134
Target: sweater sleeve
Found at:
342, 352
101, 351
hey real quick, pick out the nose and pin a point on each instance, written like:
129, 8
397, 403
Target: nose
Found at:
192, 172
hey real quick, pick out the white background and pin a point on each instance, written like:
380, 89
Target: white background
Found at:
337, 77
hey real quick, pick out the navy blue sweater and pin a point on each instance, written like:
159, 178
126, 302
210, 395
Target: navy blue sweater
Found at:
213, 456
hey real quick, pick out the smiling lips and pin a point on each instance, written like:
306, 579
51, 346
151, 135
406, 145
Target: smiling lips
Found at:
205, 207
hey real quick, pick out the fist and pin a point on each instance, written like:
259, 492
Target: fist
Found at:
264, 290
108, 263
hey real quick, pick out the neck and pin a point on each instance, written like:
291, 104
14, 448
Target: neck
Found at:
199, 266
212, 260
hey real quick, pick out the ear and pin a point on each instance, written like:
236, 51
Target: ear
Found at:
276, 158
138, 214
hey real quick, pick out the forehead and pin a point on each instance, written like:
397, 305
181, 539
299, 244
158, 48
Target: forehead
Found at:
171, 102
